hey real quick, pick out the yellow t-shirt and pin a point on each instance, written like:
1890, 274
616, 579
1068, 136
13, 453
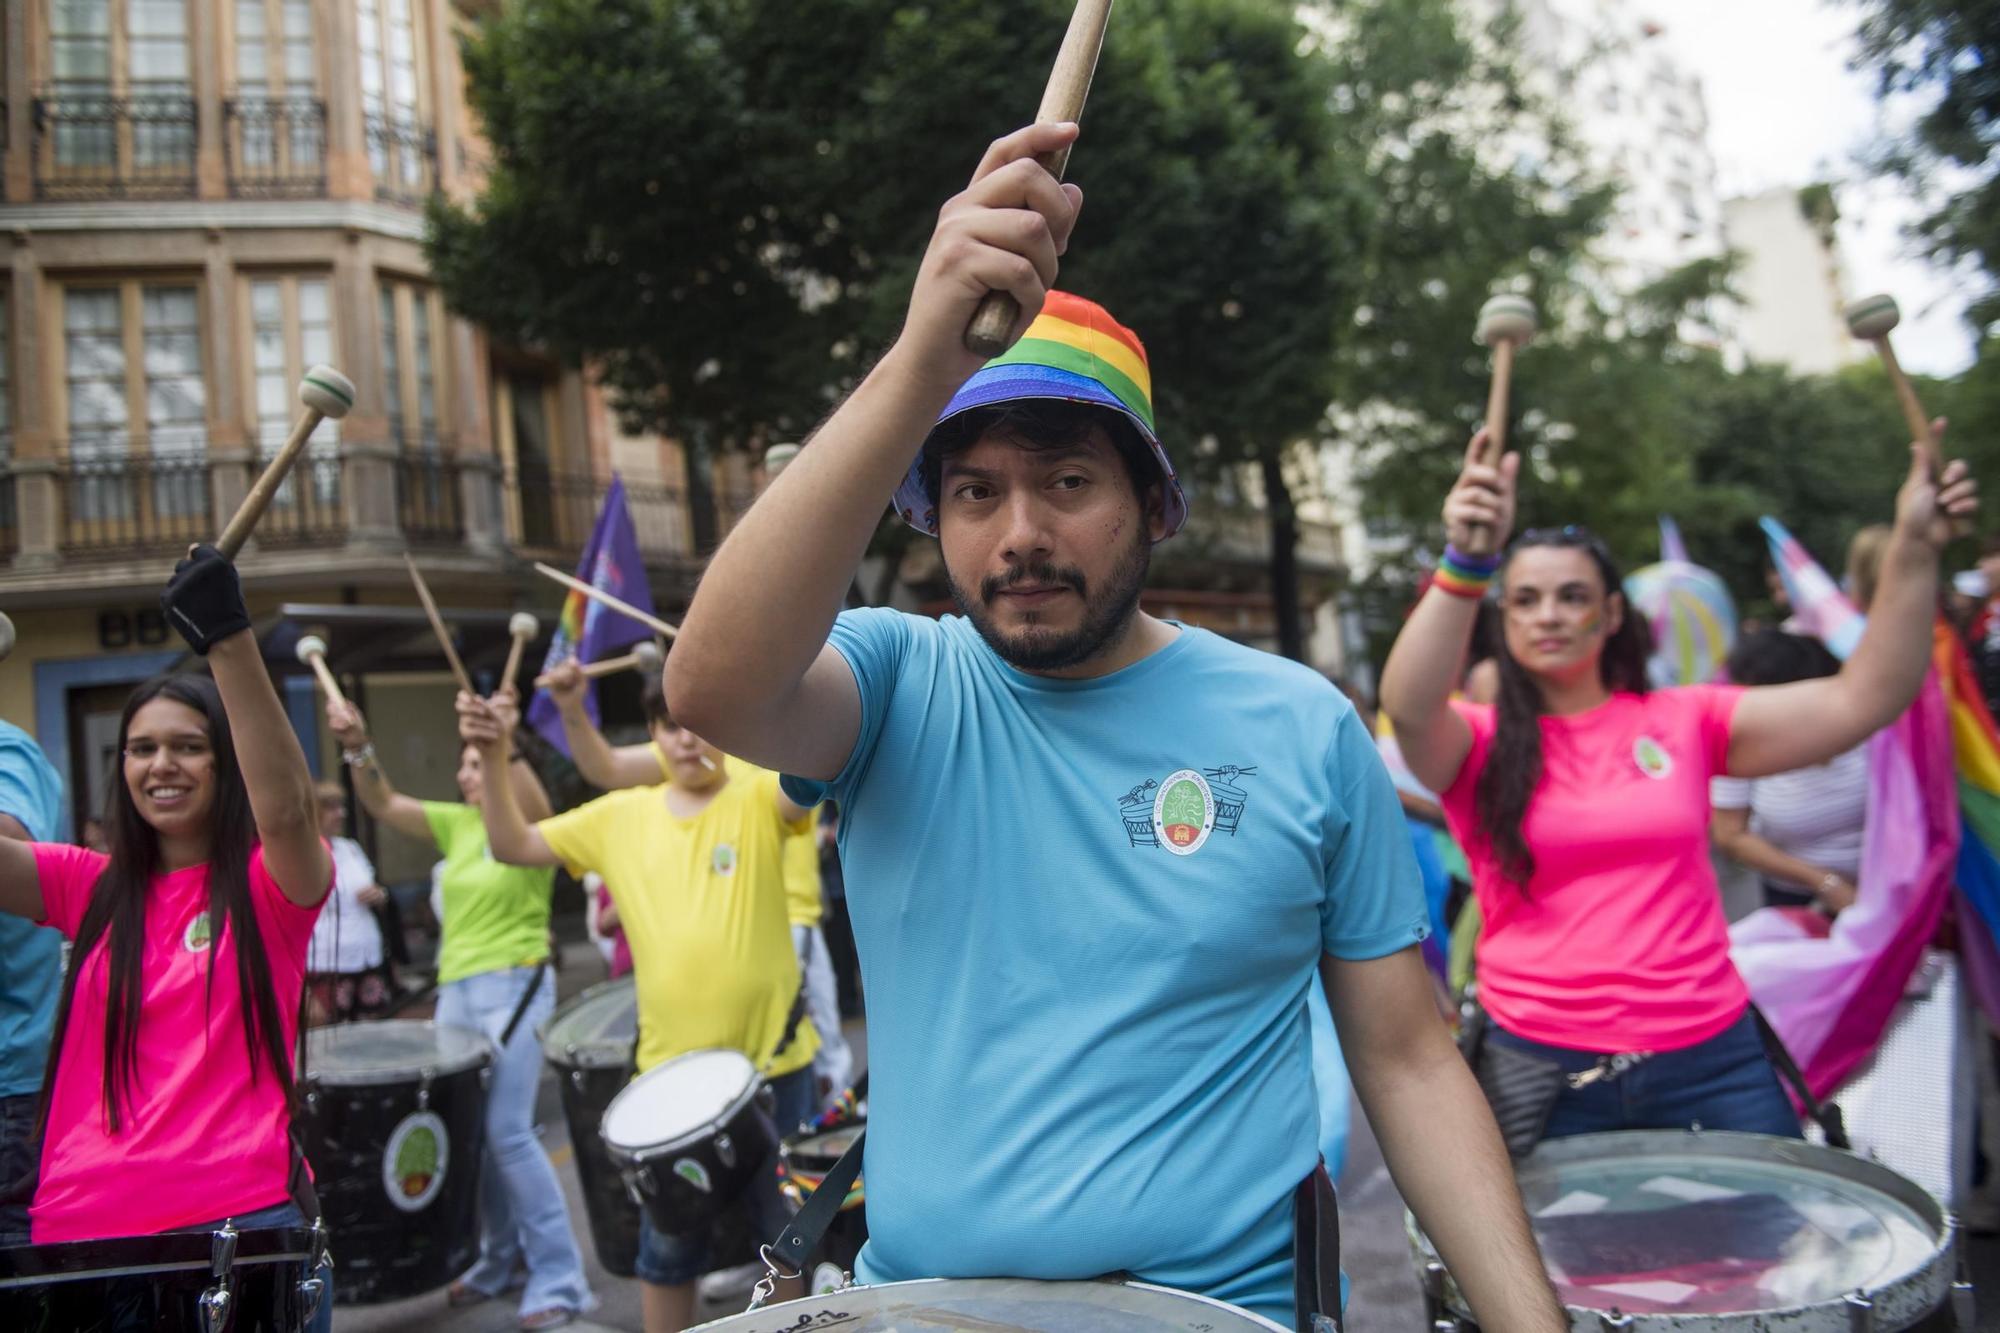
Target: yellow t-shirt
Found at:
702, 901
803, 904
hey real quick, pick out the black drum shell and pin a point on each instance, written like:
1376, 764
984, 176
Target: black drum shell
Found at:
150, 1284
381, 1251
731, 1155
587, 1092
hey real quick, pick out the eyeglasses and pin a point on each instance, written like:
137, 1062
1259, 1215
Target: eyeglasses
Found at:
189, 751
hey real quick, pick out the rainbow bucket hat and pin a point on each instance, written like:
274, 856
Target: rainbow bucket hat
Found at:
1073, 352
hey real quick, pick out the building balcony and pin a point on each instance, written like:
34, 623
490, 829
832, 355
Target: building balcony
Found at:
91, 146
120, 505
276, 147
404, 157
551, 513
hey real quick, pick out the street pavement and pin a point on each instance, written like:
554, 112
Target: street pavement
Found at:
1384, 1296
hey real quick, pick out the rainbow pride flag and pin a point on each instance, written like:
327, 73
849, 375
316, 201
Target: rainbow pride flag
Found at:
1831, 996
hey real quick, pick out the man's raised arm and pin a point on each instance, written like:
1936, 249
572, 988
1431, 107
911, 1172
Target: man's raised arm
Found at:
750, 670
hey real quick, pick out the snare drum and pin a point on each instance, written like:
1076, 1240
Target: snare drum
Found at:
259, 1280
393, 1124
688, 1136
805, 1162
1725, 1233
588, 1042
1004, 1303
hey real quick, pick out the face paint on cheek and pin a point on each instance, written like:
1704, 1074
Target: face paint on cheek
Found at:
1595, 625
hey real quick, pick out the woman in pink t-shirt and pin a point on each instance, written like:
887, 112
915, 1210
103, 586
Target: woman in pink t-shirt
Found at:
168, 1100
1581, 799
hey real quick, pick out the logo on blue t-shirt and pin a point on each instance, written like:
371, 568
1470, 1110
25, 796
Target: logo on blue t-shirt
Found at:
1180, 812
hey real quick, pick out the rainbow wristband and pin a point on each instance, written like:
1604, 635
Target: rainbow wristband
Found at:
1462, 575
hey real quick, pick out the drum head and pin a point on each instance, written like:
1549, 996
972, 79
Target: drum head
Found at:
367, 1054
1700, 1231
819, 1152
687, 1095
997, 1305
595, 1029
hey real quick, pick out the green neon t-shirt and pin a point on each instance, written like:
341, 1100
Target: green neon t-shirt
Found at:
495, 915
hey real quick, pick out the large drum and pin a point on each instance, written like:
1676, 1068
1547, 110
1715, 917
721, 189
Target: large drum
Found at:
688, 1136
804, 1163
260, 1280
992, 1304
589, 1043
393, 1125
1725, 1233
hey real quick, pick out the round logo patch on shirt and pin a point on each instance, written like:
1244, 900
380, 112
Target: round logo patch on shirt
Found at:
723, 859
413, 1165
1184, 812
195, 938
1652, 758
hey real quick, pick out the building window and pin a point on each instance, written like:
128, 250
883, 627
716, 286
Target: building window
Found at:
393, 106
6, 428
409, 365
136, 400
537, 496
120, 87
277, 130
291, 329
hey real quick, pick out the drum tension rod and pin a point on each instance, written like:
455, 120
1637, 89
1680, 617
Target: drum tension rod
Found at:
1860, 1312
214, 1303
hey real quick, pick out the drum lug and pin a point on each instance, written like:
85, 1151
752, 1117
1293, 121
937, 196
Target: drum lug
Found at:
1860, 1312
214, 1307
311, 1292
636, 1187
725, 1148
214, 1302
424, 1091
1617, 1321
222, 1251
1441, 1325
1964, 1312
576, 1079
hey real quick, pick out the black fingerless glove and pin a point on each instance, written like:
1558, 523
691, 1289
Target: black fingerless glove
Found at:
204, 600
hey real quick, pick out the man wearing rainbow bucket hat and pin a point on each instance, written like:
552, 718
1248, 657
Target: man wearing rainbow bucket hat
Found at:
1096, 860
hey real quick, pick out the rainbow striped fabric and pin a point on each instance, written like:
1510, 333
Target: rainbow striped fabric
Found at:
1074, 351
1831, 995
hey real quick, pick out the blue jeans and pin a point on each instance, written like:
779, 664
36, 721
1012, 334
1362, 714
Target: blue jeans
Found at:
1725, 1083
20, 1162
670, 1261
522, 1216
285, 1215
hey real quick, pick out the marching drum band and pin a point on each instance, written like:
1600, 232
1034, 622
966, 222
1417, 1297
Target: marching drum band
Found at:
1098, 861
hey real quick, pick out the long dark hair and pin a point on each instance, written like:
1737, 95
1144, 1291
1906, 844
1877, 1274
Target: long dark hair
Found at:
116, 916
1514, 765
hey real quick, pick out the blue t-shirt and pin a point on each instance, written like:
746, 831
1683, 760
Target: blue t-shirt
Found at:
31, 981
1089, 913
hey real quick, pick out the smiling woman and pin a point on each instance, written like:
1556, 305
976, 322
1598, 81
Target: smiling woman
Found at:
181, 1003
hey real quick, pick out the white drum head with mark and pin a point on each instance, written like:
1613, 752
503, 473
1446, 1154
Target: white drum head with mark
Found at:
687, 1094
1003, 1305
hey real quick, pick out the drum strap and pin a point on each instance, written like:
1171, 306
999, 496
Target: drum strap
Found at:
1316, 1253
807, 1229
1825, 1114
527, 998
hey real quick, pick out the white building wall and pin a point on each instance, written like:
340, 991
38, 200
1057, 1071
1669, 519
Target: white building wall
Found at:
1791, 283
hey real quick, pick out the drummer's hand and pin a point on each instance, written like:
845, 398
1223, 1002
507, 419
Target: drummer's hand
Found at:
506, 705
566, 683
1927, 504
1483, 498
344, 720
478, 725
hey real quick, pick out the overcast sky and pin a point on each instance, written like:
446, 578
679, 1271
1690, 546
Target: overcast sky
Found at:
1785, 110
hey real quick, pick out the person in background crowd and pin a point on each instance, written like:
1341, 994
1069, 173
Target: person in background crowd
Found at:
1801, 830
169, 1095
605, 930
1582, 801
30, 980
347, 977
646, 765
494, 951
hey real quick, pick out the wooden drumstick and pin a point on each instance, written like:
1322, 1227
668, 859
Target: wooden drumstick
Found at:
654, 623
312, 652
1871, 319
437, 627
326, 393
1506, 323
522, 628
644, 658
992, 326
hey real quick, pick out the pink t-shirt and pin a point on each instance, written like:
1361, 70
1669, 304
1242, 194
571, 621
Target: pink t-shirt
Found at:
1620, 943
199, 1139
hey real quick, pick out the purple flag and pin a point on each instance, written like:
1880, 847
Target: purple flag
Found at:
589, 631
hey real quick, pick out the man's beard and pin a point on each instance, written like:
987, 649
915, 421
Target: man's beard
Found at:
1106, 611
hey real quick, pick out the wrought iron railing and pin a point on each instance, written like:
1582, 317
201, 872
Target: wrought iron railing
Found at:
427, 500
403, 155
92, 146
276, 147
554, 511
114, 503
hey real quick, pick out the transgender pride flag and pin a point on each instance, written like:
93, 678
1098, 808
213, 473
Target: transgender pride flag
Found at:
1831, 995
589, 631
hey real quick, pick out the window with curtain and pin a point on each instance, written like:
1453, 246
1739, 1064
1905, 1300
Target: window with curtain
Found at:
291, 321
156, 54
134, 50
409, 365
277, 86
176, 399
140, 343
391, 92
80, 68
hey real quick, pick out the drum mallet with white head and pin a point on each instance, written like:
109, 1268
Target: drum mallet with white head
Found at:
1506, 323
645, 658
522, 629
992, 328
1871, 319
326, 393
312, 652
